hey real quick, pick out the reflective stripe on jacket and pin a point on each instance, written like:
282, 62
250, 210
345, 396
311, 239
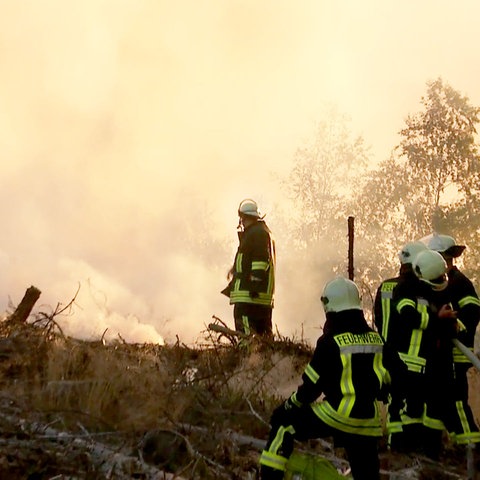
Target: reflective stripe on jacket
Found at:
254, 267
348, 368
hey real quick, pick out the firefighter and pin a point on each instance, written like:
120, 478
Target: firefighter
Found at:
465, 301
351, 369
382, 314
383, 297
421, 330
252, 277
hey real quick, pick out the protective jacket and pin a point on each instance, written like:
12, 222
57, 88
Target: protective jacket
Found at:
253, 278
411, 325
462, 426
465, 301
423, 341
352, 368
383, 306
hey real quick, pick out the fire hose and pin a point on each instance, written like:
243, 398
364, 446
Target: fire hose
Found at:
468, 353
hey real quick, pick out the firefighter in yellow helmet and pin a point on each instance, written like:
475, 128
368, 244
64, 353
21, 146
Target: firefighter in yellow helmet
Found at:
252, 278
466, 303
351, 369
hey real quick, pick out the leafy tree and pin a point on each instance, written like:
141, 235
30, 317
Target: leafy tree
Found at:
313, 244
439, 144
324, 171
431, 182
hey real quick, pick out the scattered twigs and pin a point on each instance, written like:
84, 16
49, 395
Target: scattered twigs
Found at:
47, 320
255, 414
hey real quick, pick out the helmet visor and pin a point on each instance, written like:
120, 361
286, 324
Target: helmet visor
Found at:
438, 284
454, 251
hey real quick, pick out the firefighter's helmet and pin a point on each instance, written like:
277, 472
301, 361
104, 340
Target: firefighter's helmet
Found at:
248, 207
409, 251
341, 294
445, 244
431, 268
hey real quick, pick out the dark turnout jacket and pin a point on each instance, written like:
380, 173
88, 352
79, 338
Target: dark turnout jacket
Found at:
416, 331
352, 368
465, 301
254, 267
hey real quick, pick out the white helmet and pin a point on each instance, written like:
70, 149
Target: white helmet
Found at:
444, 244
248, 207
431, 268
409, 251
341, 294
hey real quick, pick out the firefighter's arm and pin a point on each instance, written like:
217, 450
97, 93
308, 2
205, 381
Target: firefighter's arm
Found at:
448, 326
409, 315
469, 312
398, 373
312, 385
377, 310
259, 263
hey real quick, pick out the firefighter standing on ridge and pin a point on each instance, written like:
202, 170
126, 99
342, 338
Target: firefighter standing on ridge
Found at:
252, 277
465, 301
351, 367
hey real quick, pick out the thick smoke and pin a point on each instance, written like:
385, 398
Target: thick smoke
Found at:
130, 130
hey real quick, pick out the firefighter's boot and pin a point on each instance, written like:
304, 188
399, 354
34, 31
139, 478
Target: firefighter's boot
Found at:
268, 473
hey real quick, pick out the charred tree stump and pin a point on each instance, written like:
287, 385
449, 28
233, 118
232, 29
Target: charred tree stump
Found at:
25, 307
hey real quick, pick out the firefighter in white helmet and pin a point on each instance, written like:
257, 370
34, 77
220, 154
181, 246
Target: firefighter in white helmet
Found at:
382, 314
251, 285
421, 329
466, 303
350, 370
383, 297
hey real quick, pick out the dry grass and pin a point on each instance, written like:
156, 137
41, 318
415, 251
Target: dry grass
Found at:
123, 391
91, 387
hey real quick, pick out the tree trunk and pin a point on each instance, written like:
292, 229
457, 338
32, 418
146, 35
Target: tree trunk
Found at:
24, 309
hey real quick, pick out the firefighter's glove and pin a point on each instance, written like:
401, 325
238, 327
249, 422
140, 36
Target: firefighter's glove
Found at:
282, 414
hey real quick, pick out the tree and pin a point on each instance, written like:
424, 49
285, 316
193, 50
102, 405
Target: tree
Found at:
439, 145
431, 182
324, 171
314, 243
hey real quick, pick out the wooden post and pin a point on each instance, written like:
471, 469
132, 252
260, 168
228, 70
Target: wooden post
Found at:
23, 310
350, 247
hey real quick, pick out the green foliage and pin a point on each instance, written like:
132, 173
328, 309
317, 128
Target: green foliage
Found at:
431, 182
439, 144
325, 170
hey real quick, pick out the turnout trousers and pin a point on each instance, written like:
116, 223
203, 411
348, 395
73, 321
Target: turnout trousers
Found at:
461, 426
251, 318
302, 424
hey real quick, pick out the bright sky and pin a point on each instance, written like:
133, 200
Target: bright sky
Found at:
126, 126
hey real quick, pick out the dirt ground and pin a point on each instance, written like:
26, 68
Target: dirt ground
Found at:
86, 410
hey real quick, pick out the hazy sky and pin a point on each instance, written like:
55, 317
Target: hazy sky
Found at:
128, 127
